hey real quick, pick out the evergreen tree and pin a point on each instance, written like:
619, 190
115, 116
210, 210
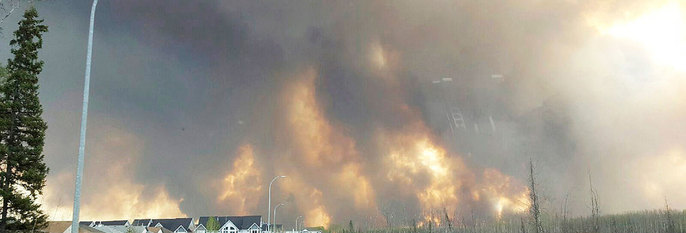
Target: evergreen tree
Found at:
212, 225
22, 130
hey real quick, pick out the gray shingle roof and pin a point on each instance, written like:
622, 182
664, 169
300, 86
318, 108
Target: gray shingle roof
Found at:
87, 223
173, 223
141, 222
242, 222
112, 223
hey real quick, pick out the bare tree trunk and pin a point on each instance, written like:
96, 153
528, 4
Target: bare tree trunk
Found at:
535, 211
447, 219
595, 209
565, 211
523, 227
671, 227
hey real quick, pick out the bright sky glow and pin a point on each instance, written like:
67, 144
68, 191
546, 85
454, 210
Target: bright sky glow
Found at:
662, 32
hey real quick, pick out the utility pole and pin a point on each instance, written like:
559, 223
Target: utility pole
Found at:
84, 118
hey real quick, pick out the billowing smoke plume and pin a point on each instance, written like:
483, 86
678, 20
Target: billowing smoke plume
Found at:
379, 112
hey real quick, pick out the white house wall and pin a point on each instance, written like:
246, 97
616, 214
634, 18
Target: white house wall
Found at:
228, 225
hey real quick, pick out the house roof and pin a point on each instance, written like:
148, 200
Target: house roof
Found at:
112, 223
120, 229
87, 229
85, 223
141, 222
57, 226
62, 226
199, 226
242, 222
173, 223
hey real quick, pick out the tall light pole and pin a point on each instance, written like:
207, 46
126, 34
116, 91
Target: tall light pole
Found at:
269, 205
276, 208
84, 117
296, 222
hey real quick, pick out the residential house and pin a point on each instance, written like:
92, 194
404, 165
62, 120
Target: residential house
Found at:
124, 223
141, 222
176, 225
65, 227
105, 223
87, 223
121, 229
232, 224
158, 230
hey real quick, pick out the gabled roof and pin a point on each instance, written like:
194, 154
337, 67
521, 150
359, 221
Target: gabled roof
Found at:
200, 226
141, 222
173, 223
242, 222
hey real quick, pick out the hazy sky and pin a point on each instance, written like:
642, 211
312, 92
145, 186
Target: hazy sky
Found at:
196, 105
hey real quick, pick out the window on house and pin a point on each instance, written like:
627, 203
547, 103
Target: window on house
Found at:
233, 230
225, 230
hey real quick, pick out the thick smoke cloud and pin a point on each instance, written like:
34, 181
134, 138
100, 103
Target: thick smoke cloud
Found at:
197, 105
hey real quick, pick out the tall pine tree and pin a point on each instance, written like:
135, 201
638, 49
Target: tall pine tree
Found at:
22, 130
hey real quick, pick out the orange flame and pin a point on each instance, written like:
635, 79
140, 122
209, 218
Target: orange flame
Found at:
244, 180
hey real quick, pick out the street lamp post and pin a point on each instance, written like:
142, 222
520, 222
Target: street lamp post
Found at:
269, 205
296, 222
84, 117
276, 208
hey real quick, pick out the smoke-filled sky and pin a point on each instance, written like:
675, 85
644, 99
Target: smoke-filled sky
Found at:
196, 105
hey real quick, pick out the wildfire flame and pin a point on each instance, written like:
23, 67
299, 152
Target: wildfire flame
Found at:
244, 180
329, 178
